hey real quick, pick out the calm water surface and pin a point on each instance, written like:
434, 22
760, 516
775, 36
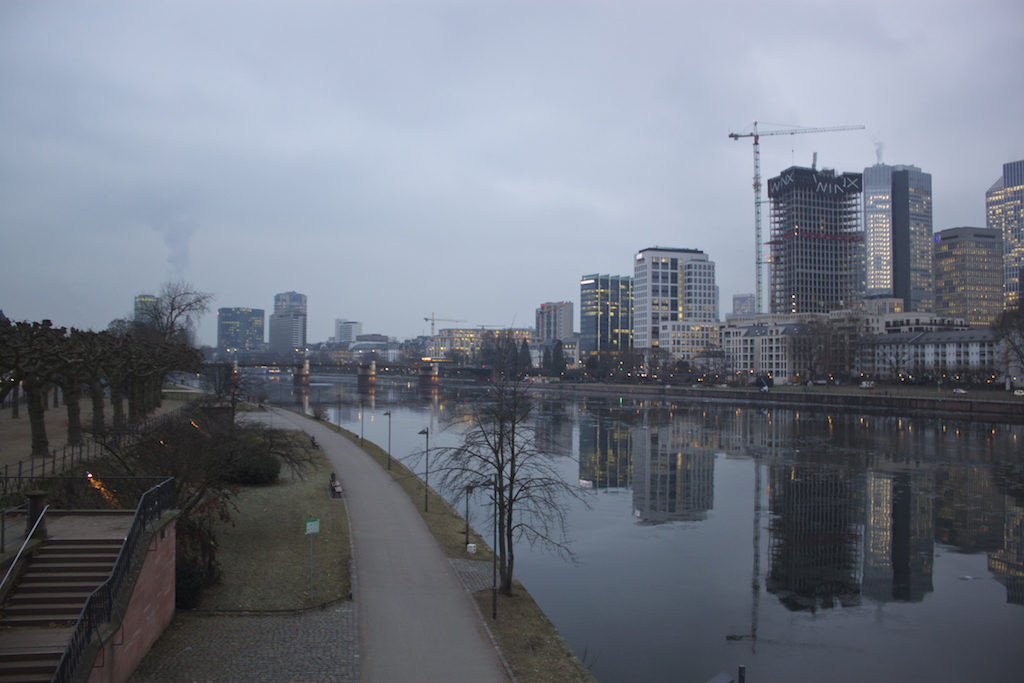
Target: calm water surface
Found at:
802, 545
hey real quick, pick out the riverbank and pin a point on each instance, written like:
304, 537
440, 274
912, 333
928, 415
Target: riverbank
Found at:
883, 401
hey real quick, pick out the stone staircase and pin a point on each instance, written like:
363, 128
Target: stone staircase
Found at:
46, 601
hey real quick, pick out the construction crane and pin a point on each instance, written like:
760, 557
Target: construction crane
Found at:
756, 134
433, 336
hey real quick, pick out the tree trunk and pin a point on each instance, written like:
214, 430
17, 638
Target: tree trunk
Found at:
72, 395
96, 393
36, 399
117, 404
16, 402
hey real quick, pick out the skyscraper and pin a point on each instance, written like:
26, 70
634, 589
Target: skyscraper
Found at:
240, 328
142, 311
1004, 209
606, 313
816, 241
898, 233
744, 304
288, 323
969, 274
554, 321
675, 301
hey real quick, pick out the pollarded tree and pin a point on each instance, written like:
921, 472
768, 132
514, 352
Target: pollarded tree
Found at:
29, 356
501, 449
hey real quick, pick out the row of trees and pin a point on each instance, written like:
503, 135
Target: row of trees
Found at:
129, 361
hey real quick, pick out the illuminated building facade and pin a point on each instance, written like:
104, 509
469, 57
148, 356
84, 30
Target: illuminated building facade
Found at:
816, 241
288, 323
1004, 209
968, 266
675, 301
898, 234
606, 314
143, 309
240, 328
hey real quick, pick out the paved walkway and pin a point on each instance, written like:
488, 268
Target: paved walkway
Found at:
413, 618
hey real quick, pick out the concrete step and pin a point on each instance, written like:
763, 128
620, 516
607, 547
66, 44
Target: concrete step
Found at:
38, 621
77, 555
58, 596
27, 676
79, 577
60, 610
68, 567
68, 586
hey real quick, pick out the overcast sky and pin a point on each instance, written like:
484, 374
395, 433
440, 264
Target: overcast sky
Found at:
469, 159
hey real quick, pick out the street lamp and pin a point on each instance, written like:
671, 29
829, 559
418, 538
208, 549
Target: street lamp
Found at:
494, 551
388, 413
426, 478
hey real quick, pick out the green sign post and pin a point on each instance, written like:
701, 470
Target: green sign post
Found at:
312, 527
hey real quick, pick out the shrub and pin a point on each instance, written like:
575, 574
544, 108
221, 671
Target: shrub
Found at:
188, 585
254, 469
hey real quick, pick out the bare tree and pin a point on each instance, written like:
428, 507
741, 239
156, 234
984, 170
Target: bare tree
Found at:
176, 311
1010, 328
501, 450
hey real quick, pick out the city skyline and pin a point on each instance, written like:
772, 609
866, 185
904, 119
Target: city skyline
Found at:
393, 160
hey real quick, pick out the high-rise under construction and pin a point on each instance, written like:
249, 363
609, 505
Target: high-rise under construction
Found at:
816, 244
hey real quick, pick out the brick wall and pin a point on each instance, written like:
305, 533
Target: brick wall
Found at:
149, 612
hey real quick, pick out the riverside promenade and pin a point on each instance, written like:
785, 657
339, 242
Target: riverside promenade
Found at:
417, 622
412, 619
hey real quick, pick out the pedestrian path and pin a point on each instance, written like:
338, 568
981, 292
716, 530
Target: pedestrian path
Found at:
417, 622
412, 619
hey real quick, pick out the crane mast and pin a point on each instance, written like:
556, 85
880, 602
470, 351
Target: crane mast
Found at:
758, 251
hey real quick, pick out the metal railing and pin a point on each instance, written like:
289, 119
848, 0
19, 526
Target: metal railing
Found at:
100, 605
15, 478
19, 513
17, 556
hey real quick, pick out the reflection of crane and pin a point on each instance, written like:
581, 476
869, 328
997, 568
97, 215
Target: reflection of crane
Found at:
758, 255
433, 336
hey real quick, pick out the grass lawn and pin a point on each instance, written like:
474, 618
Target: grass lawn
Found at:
264, 550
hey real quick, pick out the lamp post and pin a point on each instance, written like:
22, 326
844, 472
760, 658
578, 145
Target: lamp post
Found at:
360, 422
469, 492
388, 413
426, 479
494, 551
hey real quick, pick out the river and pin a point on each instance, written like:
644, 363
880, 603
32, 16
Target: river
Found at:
799, 544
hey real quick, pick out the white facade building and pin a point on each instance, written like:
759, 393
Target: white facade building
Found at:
554, 321
675, 302
346, 331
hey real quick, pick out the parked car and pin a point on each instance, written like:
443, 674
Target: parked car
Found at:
867, 384
958, 390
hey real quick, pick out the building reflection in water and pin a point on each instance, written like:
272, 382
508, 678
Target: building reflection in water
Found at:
856, 504
898, 537
674, 478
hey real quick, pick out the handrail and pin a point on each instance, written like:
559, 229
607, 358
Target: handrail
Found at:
4, 515
99, 606
17, 556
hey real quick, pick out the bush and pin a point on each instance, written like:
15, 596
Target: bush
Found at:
255, 469
188, 586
